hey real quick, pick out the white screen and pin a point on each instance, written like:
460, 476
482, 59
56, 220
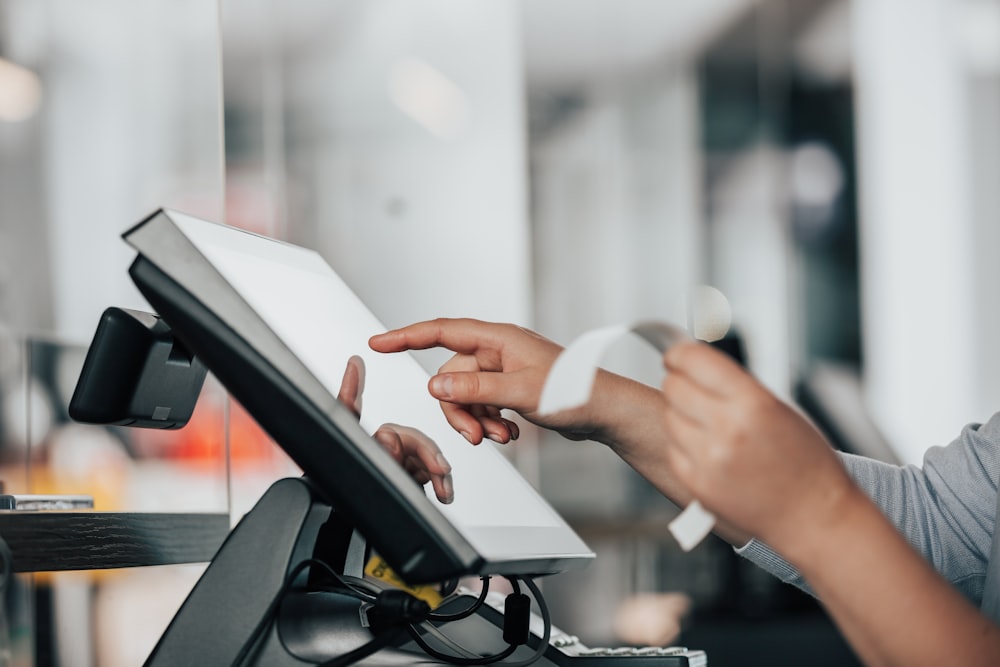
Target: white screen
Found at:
323, 323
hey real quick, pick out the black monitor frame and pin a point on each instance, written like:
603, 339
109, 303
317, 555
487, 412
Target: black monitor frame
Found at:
387, 507
178, 270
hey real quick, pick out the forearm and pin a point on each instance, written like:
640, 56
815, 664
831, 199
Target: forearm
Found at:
887, 600
944, 510
629, 419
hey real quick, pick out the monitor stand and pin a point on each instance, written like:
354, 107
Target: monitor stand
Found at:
290, 524
234, 594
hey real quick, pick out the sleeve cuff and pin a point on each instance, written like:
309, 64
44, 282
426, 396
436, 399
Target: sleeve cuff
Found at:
765, 558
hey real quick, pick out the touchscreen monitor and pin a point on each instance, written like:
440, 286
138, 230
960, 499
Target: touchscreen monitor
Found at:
276, 325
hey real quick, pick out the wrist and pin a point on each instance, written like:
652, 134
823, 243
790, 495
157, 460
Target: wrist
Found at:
816, 528
625, 412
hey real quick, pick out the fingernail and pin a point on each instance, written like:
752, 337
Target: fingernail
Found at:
496, 437
443, 463
467, 436
449, 490
441, 385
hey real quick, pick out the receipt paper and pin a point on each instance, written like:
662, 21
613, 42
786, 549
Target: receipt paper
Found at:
571, 381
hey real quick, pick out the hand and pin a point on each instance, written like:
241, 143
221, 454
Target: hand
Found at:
496, 367
418, 454
759, 464
747, 456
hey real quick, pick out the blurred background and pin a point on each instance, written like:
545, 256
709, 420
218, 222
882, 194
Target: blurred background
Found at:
831, 167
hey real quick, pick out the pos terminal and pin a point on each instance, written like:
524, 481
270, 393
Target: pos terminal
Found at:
276, 325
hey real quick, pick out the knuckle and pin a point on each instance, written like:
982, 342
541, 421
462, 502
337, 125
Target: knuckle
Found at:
439, 324
720, 454
734, 430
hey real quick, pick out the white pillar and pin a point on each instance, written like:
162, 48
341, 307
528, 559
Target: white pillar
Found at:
916, 230
132, 122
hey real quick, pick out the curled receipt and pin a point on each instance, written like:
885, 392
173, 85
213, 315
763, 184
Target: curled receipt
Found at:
571, 381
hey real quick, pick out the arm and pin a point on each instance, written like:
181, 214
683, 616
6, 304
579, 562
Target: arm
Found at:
748, 457
503, 366
890, 604
945, 508
755, 461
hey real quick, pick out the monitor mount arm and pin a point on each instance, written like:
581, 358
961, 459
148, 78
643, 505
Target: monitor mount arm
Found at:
289, 524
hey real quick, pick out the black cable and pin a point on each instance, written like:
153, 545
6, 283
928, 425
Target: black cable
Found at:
360, 587
363, 585
408, 620
446, 588
543, 641
392, 612
268, 616
465, 613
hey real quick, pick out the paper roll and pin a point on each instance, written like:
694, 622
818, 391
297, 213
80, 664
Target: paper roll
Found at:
570, 383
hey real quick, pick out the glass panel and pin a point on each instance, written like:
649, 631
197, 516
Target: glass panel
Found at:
388, 135
124, 118
109, 109
119, 114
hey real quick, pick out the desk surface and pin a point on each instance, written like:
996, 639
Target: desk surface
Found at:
48, 541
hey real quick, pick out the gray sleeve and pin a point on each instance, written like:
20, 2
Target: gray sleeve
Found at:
946, 508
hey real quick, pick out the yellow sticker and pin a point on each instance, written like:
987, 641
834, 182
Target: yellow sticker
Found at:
380, 570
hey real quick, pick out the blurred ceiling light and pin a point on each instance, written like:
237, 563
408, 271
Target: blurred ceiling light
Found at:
817, 177
977, 31
428, 97
816, 180
20, 92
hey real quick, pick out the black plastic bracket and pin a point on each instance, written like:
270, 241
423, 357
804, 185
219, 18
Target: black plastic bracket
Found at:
235, 592
137, 374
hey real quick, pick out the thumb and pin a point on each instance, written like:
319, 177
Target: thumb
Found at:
501, 390
353, 385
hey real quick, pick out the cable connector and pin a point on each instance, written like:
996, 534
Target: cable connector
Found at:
394, 607
516, 619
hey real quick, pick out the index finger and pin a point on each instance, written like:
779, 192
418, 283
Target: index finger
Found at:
458, 335
708, 367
